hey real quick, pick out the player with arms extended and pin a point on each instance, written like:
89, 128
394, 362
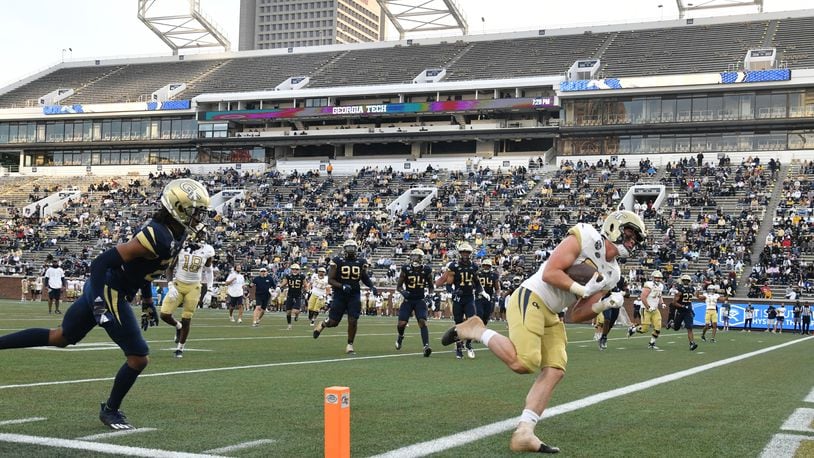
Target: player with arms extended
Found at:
413, 280
711, 315
184, 288
537, 339
344, 275
115, 277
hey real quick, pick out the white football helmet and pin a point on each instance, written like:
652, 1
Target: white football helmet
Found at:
614, 230
350, 247
657, 275
295, 267
187, 201
416, 256
464, 251
486, 264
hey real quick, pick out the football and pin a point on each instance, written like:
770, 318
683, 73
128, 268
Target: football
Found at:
581, 273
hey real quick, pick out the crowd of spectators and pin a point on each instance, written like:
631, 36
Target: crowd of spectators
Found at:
514, 216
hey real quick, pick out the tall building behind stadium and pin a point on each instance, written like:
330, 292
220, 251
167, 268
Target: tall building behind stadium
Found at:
268, 24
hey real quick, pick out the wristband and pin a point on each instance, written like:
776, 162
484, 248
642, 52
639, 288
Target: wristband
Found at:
577, 289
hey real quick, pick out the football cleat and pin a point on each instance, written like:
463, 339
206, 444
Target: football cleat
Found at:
693, 346
427, 351
703, 337
349, 349
470, 353
318, 329
652, 346
179, 354
398, 344
630, 331
603, 343
289, 328
459, 353
711, 340
114, 419
524, 440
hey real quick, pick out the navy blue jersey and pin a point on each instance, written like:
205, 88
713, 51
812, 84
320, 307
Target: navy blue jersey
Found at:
295, 283
465, 277
685, 295
416, 280
488, 280
135, 274
349, 271
262, 285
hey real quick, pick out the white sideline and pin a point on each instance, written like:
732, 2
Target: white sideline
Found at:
95, 447
470, 436
810, 397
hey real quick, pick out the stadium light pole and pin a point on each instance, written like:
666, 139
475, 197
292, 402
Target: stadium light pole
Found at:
483, 25
68, 50
661, 10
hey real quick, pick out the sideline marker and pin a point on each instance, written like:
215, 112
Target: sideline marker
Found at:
337, 422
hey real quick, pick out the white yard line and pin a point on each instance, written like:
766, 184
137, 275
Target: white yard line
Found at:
126, 432
94, 447
783, 446
470, 436
241, 446
21, 421
800, 420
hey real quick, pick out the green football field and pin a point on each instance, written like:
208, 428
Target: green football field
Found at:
242, 391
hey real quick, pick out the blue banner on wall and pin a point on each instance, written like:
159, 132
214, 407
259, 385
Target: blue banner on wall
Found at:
737, 315
752, 76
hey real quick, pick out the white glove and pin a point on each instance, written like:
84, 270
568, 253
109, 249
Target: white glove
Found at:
589, 289
172, 292
485, 295
614, 301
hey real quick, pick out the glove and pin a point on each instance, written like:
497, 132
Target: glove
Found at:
616, 300
374, 291
346, 288
613, 301
101, 313
485, 295
149, 316
172, 291
588, 289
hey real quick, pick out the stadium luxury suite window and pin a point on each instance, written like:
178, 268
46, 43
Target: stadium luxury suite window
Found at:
731, 106
105, 130
699, 143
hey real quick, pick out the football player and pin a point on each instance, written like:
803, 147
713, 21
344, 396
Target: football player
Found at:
711, 314
651, 302
319, 291
295, 283
344, 275
684, 314
184, 288
537, 340
413, 280
263, 286
490, 282
115, 277
461, 275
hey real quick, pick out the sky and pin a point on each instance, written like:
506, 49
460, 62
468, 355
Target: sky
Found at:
37, 34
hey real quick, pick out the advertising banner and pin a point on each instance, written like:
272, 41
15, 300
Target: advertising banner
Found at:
388, 108
737, 315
